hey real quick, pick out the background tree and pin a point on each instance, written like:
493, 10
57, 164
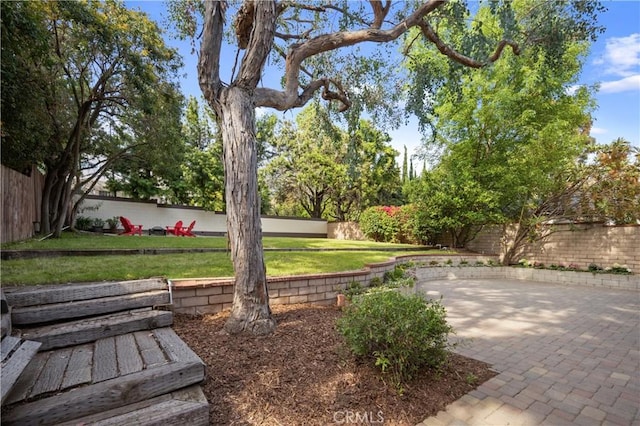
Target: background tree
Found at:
311, 39
405, 167
613, 192
451, 203
202, 171
24, 50
372, 175
512, 134
306, 165
139, 150
102, 61
320, 170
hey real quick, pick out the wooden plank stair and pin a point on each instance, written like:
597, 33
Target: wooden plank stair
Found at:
16, 356
106, 357
90, 329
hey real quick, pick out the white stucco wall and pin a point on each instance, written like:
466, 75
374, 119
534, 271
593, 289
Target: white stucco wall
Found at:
150, 214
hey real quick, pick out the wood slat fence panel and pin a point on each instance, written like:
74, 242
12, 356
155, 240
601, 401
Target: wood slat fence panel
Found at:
21, 195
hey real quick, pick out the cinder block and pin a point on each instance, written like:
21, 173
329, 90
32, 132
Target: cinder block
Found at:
208, 291
219, 298
194, 301
316, 282
178, 294
298, 283
332, 281
298, 299
288, 292
279, 300
330, 295
278, 285
307, 290
316, 297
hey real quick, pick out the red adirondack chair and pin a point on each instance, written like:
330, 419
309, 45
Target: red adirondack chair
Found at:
176, 229
186, 232
129, 228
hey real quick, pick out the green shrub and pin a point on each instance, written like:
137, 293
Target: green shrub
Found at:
414, 224
594, 268
394, 224
375, 282
354, 288
399, 334
618, 269
380, 224
395, 274
84, 223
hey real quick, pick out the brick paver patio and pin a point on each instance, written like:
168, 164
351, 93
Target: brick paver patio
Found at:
566, 355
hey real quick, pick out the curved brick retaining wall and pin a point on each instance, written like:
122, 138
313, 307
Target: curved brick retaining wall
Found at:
212, 295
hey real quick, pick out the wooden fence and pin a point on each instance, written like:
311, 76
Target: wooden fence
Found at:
21, 195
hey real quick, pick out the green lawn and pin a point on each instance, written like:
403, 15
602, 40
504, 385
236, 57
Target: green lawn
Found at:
184, 265
78, 241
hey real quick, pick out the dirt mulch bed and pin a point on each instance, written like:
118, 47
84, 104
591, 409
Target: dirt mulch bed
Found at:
303, 374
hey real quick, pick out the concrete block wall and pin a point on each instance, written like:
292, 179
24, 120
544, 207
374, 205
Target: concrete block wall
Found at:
580, 244
586, 279
345, 231
150, 214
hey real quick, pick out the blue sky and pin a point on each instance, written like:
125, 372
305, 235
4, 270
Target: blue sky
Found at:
614, 63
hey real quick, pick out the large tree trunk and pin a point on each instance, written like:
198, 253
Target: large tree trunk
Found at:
250, 310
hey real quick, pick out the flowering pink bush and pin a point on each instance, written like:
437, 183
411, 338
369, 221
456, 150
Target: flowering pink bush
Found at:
390, 223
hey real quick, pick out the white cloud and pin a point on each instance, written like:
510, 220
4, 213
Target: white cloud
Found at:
627, 84
598, 131
622, 55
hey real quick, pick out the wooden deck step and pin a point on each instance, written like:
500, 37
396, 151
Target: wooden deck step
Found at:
5, 315
42, 295
105, 359
16, 355
39, 314
106, 395
94, 328
184, 407
65, 384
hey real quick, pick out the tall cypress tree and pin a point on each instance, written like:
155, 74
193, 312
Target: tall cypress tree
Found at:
404, 166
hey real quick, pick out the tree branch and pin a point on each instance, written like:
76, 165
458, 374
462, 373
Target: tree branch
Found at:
209, 62
259, 45
303, 36
379, 12
290, 98
431, 35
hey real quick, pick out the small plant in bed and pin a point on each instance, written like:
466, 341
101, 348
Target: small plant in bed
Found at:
399, 334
